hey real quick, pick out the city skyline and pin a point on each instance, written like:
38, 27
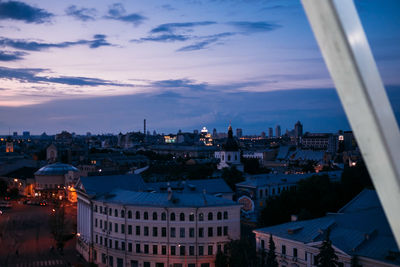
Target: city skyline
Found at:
105, 65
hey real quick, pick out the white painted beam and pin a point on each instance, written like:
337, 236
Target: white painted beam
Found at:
347, 54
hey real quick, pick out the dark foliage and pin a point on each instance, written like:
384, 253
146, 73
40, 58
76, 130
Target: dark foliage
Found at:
271, 255
232, 176
326, 256
3, 187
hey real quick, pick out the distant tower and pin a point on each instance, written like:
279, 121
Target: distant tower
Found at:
278, 131
263, 135
298, 129
214, 135
144, 126
270, 132
239, 132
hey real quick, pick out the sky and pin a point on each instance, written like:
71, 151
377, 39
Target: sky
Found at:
103, 66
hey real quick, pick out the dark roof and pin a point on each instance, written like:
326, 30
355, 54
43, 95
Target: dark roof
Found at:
211, 186
22, 173
360, 228
162, 199
230, 144
56, 169
97, 185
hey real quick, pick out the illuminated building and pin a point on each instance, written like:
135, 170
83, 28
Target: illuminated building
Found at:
9, 147
229, 155
130, 228
170, 139
205, 137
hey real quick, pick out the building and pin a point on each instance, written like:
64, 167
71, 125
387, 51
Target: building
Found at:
51, 153
9, 146
278, 131
270, 132
56, 181
131, 228
359, 228
229, 155
298, 129
316, 141
239, 132
26, 135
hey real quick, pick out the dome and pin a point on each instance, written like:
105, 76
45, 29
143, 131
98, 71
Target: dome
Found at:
231, 144
56, 169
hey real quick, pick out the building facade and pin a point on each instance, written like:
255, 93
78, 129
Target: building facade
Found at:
127, 228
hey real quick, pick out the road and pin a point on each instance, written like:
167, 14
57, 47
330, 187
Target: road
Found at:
26, 239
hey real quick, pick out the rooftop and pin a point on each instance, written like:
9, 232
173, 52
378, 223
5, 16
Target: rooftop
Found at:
56, 169
211, 186
97, 185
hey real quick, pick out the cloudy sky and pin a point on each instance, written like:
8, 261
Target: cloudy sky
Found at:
104, 66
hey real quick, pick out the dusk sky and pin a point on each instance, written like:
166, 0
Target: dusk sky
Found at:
104, 66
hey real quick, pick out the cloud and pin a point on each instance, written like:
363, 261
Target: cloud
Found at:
32, 76
22, 44
252, 27
118, 12
163, 38
172, 27
83, 14
206, 42
21, 11
179, 83
168, 7
11, 55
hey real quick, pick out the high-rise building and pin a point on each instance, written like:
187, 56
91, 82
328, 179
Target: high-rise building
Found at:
144, 126
278, 131
239, 132
15, 135
270, 132
263, 135
26, 135
214, 135
298, 129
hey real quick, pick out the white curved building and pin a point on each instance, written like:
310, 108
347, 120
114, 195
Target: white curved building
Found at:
128, 228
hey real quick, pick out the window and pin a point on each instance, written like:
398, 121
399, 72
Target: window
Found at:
101, 240
137, 215
145, 215
229, 157
116, 244
182, 232
219, 231
116, 213
191, 250
122, 245
182, 250
109, 243
146, 264
110, 226
163, 216
191, 232
164, 231
101, 211
201, 217
154, 216
201, 250
218, 248
137, 248
103, 257
172, 231
305, 256
210, 231
155, 249
155, 231
120, 262
146, 249
201, 232
182, 217
225, 215
110, 211
283, 249
129, 214
95, 223
95, 208
210, 216
116, 227
123, 228
97, 239
105, 225
219, 216
137, 230
146, 231
122, 214
191, 217
101, 223
210, 250
129, 229
295, 252
134, 263
225, 230
130, 247
172, 216
173, 251
164, 250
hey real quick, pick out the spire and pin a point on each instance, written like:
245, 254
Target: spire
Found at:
230, 132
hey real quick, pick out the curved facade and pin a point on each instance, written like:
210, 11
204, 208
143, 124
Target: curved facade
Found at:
156, 229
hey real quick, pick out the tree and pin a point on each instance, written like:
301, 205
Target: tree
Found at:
221, 260
354, 261
326, 256
3, 187
232, 176
271, 256
242, 252
58, 225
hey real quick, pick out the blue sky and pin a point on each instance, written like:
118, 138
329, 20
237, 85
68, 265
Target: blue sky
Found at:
104, 66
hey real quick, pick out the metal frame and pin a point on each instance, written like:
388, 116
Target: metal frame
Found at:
347, 54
